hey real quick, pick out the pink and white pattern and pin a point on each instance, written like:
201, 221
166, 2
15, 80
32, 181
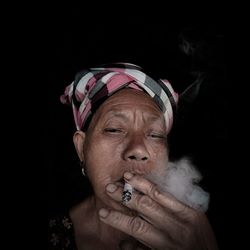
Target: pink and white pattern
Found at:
94, 84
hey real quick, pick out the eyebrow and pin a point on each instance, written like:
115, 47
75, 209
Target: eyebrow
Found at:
123, 115
116, 113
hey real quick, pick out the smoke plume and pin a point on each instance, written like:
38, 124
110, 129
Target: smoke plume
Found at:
181, 180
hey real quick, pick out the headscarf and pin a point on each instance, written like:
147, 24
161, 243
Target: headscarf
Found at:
94, 85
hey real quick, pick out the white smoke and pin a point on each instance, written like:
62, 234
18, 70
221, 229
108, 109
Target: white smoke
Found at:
181, 180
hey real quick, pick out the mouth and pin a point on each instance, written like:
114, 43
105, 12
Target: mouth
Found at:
120, 182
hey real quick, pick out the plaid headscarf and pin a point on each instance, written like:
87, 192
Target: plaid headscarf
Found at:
91, 86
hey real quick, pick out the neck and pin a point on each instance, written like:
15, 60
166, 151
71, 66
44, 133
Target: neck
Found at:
88, 227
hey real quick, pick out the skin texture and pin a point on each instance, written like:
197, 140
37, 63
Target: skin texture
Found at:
126, 140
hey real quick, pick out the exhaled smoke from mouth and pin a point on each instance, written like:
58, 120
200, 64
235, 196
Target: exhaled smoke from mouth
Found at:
181, 180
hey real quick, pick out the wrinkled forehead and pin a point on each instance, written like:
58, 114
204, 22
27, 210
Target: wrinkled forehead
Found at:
129, 103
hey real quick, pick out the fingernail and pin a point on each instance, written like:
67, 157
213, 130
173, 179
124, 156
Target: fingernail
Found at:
128, 175
111, 188
103, 212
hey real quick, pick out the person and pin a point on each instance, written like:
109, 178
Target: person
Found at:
123, 118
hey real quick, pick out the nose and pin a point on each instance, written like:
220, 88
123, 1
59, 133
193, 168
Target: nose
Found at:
136, 150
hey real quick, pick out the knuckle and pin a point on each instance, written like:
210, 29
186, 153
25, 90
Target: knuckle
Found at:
152, 188
192, 216
138, 226
178, 206
156, 194
145, 202
116, 218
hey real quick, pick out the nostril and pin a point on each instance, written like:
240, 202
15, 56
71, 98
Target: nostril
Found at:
132, 157
137, 158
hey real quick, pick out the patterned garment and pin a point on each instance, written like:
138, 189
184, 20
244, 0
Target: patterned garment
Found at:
95, 84
61, 234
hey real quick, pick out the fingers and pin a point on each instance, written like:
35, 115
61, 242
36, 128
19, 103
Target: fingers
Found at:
165, 199
154, 200
134, 226
169, 223
148, 209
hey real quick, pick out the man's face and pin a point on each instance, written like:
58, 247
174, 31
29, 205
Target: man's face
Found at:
127, 133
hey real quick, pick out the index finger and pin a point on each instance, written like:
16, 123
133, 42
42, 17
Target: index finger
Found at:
152, 190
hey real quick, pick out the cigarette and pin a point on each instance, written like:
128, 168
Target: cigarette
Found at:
127, 193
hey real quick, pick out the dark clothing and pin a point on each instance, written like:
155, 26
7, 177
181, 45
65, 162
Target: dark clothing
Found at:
61, 233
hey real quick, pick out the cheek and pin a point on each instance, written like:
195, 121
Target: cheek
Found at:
99, 176
102, 164
159, 150
160, 157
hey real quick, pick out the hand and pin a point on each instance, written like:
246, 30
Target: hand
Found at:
162, 221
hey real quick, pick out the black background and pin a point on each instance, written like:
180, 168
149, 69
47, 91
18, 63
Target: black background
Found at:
84, 36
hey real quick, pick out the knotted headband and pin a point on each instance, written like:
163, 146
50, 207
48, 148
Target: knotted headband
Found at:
94, 85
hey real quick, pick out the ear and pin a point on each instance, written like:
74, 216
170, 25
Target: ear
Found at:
79, 139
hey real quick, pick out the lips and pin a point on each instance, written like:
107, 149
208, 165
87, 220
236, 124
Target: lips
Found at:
120, 182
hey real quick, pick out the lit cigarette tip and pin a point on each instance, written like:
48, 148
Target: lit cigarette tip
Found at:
127, 192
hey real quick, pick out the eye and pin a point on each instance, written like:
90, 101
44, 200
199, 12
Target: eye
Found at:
113, 130
155, 135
